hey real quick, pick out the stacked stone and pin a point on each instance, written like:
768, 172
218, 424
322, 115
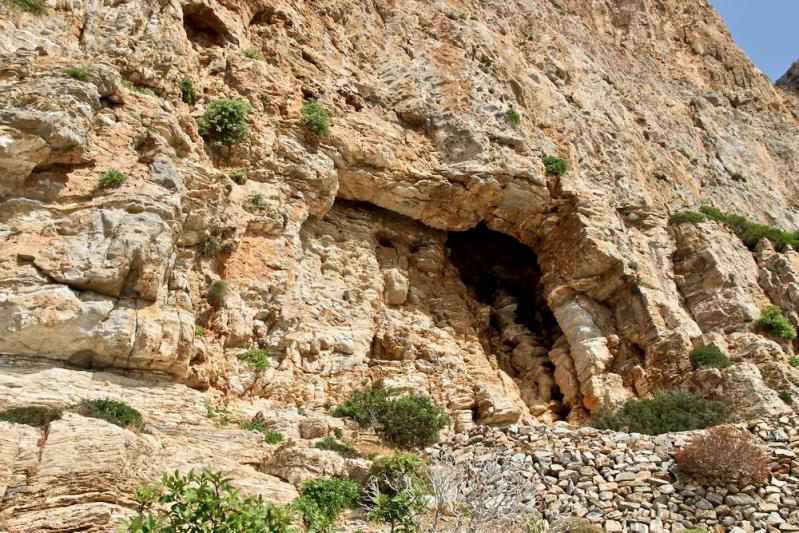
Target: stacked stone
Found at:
629, 482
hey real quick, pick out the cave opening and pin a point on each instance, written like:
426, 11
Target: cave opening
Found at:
203, 27
503, 274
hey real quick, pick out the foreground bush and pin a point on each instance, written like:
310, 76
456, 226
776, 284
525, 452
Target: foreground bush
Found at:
772, 320
724, 455
751, 232
204, 502
315, 118
665, 412
321, 501
708, 357
118, 413
225, 122
555, 165
34, 416
409, 421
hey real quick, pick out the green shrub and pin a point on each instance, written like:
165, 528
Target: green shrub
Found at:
555, 165
271, 436
112, 179
413, 421
257, 199
34, 416
513, 116
198, 330
239, 177
344, 449
387, 471
225, 122
217, 292
214, 245
187, 91
118, 413
220, 413
321, 501
794, 362
786, 397
665, 412
692, 217
401, 509
576, 525
252, 54
257, 357
708, 357
772, 320
532, 523
79, 73
315, 118
204, 502
751, 232
409, 421
34, 7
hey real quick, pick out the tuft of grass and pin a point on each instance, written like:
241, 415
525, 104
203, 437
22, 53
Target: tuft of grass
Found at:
34, 7
34, 416
315, 118
252, 54
708, 357
513, 116
257, 199
112, 179
555, 165
270, 435
786, 397
187, 91
772, 320
118, 413
198, 330
79, 73
257, 357
682, 217
344, 449
751, 232
220, 413
239, 177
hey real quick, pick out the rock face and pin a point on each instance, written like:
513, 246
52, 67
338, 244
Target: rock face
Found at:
423, 243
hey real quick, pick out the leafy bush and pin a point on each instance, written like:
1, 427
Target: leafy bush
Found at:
252, 54
257, 357
386, 472
794, 362
575, 525
665, 412
692, 217
257, 199
204, 502
239, 177
271, 436
225, 122
198, 330
187, 91
112, 179
555, 165
401, 508
413, 421
708, 357
512, 115
409, 421
751, 232
772, 320
34, 7
79, 73
315, 118
344, 449
724, 455
217, 292
786, 397
321, 501
118, 413
34, 416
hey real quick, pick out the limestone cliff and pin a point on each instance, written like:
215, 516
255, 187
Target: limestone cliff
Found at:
422, 243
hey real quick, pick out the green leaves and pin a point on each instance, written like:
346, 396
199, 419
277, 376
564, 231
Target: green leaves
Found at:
225, 122
555, 165
322, 500
315, 118
112, 411
772, 320
112, 179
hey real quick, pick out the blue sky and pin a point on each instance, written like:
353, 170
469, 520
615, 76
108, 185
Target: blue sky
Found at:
767, 30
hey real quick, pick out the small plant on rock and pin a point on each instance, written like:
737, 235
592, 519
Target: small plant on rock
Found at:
321, 501
117, 413
187, 91
239, 177
271, 436
257, 357
257, 199
344, 449
35, 416
794, 362
252, 54
772, 320
555, 165
724, 455
79, 73
708, 357
786, 397
575, 525
665, 412
513, 116
112, 179
225, 122
217, 292
683, 217
204, 502
315, 118
34, 7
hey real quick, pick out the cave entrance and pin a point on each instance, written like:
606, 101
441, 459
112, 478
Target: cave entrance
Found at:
503, 274
203, 27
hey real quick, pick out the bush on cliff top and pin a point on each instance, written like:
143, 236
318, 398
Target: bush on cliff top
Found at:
665, 412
